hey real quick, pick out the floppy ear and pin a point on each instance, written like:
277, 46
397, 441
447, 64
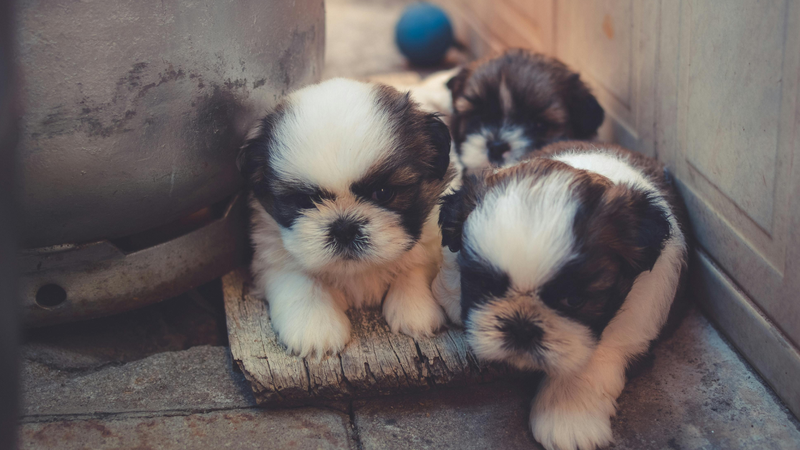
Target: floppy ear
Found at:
456, 84
254, 152
439, 136
253, 157
641, 226
456, 207
585, 113
652, 230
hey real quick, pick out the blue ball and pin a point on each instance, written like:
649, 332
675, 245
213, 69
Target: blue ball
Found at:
424, 34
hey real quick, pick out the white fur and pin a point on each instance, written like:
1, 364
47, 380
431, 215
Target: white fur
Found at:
306, 239
475, 154
410, 308
433, 95
566, 346
575, 402
349, 134
446, 287
330, 135
542, 211
574, 412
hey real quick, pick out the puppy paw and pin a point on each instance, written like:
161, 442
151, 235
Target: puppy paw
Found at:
315, 333
571, 430
413, 312
306, 316
573, 413
446, 287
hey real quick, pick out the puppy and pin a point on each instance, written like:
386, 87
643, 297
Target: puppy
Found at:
568, 264
508, 107
346, 178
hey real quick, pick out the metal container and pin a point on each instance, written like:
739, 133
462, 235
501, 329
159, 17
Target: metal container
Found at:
134, 112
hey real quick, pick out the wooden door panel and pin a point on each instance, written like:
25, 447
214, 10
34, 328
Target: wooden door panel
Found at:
497, 25
733, 97
596, 37
728, 135
613, 46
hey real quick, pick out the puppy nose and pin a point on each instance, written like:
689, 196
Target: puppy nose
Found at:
520, 333
496, 150
344, 231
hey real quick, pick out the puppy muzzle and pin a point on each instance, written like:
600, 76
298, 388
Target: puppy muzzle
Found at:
520, 333
498, 151
346, 237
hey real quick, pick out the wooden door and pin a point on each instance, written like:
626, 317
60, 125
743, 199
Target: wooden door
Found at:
727, 87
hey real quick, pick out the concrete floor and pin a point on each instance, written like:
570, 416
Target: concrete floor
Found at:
162, 377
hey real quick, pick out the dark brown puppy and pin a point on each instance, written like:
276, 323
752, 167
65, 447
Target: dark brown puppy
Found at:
510, 106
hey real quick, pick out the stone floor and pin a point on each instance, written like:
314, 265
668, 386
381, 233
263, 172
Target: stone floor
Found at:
162, 377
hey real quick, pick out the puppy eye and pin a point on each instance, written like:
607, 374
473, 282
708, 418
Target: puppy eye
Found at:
382, 195
487, 283
573, 302
539, 126
304, 201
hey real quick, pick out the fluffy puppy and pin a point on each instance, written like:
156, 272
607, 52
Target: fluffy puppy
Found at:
346, 178
506, 108
568, 264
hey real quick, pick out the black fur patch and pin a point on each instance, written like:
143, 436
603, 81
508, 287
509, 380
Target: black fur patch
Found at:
455, 209
480, 282
549, 102
586, 114
619, 232
415, 172
520, 332
253, 162
290, 201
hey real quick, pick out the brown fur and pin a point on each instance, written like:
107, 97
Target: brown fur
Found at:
616, 229
546, 98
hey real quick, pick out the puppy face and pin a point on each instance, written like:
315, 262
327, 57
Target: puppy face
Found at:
548, 254
512, 105
350, 171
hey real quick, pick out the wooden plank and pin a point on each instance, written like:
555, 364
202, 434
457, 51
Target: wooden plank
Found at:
375, 362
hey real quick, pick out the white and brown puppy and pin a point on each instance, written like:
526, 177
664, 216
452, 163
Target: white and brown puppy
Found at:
567, 263
346, 178
508, 107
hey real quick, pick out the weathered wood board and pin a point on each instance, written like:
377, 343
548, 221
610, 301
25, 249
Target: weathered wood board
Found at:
375, 362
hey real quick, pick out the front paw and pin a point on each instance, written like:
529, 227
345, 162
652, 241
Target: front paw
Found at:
567, 416
448, 297
413, 312
313, 332
571, 430
446, 287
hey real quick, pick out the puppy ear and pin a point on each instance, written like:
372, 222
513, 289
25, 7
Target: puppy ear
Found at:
439, 136
456, 84
641, 226
253, 152
456, 207
253, 157
585, 113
